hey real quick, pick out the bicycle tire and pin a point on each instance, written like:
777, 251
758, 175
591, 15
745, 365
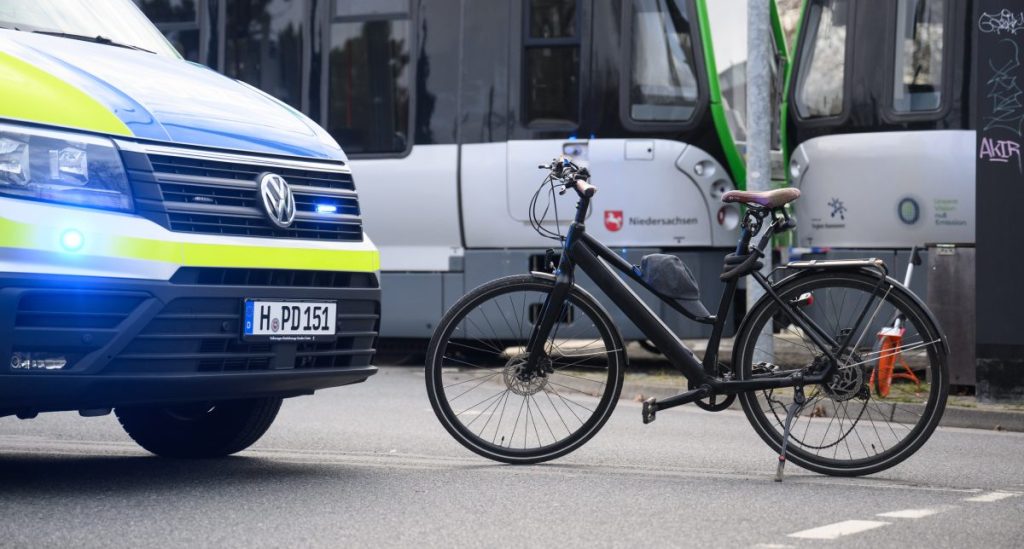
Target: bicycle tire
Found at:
450, 354
910, 423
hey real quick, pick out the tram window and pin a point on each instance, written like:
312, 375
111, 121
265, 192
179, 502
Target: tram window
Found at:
663, 86
728, 20
819, 91
368, 106
552, 18
552, 63
364, 8
919, 48
553, 85
263, 46
169, 11
177, 19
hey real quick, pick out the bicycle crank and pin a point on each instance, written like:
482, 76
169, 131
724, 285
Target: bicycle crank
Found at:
715, 402
653, 405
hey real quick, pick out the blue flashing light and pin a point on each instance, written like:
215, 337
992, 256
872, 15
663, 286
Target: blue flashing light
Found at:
72, 240
572, 137
326, 208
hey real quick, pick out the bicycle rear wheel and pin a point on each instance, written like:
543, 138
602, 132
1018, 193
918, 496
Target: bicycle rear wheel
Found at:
845, 428
487, 401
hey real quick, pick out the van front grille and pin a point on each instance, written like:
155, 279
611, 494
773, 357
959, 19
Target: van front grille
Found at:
219, 194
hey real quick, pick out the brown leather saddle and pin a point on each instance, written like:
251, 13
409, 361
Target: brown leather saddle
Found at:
767, 199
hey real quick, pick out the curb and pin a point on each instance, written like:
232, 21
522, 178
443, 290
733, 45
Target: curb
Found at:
954, 416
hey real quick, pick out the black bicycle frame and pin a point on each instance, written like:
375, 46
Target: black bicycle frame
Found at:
583, 251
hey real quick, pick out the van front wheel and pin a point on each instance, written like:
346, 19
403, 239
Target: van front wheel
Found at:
207, 430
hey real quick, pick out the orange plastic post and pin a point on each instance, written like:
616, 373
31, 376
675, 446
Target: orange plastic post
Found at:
889, 354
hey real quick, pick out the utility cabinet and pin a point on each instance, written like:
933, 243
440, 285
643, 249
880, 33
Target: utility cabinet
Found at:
950, 296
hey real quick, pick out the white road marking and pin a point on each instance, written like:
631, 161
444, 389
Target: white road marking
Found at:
773, 546
992, 496
832, 481
839, 529
911, 513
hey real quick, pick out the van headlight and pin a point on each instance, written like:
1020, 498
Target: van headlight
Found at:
60, 166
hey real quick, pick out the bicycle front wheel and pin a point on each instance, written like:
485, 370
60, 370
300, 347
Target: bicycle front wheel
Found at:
846, 427
491, 404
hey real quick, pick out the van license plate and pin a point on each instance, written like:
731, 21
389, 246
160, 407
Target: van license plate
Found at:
289, 320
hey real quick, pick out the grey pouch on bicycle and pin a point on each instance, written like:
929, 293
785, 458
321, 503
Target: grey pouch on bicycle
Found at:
670, 276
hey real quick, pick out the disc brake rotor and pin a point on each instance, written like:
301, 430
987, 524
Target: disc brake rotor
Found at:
521, 382
849, 381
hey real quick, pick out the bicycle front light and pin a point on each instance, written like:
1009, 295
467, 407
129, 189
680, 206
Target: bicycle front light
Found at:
61, 166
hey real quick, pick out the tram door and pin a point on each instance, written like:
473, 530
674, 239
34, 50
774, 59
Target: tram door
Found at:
524, 83
879, 138
620, 86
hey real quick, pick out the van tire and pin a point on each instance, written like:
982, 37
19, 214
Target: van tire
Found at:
207, 430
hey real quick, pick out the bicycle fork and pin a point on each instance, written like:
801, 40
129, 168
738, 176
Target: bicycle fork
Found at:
550, 314
552, 310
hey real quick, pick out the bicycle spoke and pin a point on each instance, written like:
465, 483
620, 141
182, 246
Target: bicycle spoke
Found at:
467, 391
567, 401
572, 389
867, 328
471, 379
489, 343
472, 348
545, 419
501, 417
479, 403
502, 398
512, 437
469, 364
559, 414
875, 427
485, 410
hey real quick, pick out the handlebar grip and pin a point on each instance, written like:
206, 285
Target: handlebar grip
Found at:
585, 189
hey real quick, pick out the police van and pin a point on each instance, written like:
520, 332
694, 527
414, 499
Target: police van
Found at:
174, 244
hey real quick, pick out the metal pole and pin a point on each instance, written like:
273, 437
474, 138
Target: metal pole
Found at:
759, 120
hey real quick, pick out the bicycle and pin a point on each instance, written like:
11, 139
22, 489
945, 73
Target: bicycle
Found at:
528, 368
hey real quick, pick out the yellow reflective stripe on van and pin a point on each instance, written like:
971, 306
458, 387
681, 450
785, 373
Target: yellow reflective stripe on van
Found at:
31, 94
253, 257
189, 254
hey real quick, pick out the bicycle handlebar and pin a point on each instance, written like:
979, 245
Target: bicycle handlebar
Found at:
585, 189
571, 175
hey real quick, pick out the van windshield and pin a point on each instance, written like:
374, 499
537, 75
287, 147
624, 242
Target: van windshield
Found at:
117, 22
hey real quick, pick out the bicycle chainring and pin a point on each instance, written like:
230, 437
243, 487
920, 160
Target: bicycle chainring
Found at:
717, 403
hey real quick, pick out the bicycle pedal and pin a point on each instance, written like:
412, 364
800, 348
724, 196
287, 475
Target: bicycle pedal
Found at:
650, 409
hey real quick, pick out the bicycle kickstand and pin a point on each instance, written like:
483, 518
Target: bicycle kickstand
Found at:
798, 403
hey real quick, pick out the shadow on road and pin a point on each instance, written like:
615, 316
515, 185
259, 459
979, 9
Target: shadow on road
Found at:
99, 475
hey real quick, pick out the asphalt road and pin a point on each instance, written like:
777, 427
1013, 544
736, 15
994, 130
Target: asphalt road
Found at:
370, 465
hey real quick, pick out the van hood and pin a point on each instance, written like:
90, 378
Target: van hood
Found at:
161, 98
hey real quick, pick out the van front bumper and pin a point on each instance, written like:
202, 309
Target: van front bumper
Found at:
135, 341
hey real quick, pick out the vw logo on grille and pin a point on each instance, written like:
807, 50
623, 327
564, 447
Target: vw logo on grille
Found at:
278, 200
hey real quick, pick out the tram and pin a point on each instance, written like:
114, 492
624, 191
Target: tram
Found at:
446, 107
879, 132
